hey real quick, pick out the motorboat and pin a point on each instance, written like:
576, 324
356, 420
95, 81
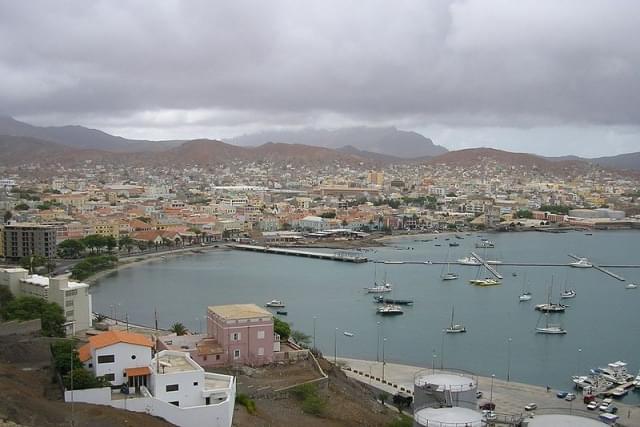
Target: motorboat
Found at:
389, 310
281, 313
449, 276
619, 392
630, 286
581, 263
377, 289
525, 296
551, 307
468, 261
454, 244
348, 334
616, 372
485, 282
636, 382
382, 300
570, 293
454, 328
485, 244
275, 304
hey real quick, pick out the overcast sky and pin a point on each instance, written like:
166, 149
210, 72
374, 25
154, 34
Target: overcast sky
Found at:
551, 77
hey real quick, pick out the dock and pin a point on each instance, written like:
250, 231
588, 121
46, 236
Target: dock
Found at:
487, 265
600, 268
308, 254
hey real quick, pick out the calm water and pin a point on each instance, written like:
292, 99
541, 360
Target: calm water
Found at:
602, 321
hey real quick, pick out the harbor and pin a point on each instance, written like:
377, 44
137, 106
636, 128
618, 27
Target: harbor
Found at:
337, 256
334, 294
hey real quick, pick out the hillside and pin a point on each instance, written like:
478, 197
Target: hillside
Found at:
629, 161
21, 150
384, 140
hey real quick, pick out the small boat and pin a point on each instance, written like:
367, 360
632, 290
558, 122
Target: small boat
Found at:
550, 329
459, 237
382, 300
437, 244
581, 263
525, 296
455, 328
630, 286
275, 304
551, 307
514, 274
378, 289
449, 276
619, 392
348, 334
394, 262
389, 310
485, 244
281, 313
454, 244
468, 261
588, 234
570, 293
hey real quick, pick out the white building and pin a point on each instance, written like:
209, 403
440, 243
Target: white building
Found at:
313, 223
73, 297
171, 385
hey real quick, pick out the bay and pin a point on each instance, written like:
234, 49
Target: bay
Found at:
602, 322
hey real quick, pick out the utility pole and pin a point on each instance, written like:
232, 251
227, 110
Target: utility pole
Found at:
335, 346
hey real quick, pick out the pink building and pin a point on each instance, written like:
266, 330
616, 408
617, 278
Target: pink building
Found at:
244, 332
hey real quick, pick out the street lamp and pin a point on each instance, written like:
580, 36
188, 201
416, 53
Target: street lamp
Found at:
491, 393
335, 346
508, 359
383, 359
378, 342
578, 362
442, 351
433, 361
314, 331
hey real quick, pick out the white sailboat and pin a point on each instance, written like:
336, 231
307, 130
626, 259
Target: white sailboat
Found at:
454, 328
377, 288
567, 293
525, 295
448, 275
552, 329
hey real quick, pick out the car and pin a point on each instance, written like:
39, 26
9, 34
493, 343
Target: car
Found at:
531, 407
612, 409
604, 406
488, 406
561, 394
478, 394
569, 397
489, 415
608, 401
593, 405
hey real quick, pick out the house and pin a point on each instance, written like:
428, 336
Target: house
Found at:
120, 357
171, 385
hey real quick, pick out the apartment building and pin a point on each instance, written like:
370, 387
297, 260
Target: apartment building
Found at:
27, 239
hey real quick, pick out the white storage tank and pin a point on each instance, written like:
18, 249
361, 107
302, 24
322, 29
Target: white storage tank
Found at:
444, 389
447, 417
558, 420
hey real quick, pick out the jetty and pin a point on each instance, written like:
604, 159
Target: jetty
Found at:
600, 268
487, 265
338, 256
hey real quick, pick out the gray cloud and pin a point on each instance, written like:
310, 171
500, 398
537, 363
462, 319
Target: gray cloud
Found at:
154, 69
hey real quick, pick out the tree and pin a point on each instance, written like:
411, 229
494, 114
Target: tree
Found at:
32, 262
301, 338
7, 216
94, 241
281, 328
83, 379
5, 297
524, 213
21, 207
126, 242
65, 356
70, 248
178, 329
27, 308
110, 242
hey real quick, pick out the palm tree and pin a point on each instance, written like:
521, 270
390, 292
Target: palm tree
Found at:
178, 329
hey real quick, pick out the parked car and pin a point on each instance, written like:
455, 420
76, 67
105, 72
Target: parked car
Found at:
569, 397
588, 398
531, 407
603, 406
489, 415
612, 409
488, 406
561, 394
593, 405
478, 394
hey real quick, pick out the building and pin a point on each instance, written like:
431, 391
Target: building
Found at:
73, 297
244, 333
26, 239
170, 385
118, 356
375, 178
313, 223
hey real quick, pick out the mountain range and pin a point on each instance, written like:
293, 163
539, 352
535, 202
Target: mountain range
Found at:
23, 143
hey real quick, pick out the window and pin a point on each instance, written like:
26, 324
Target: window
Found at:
109, 358
171, 387
68, 303
260, 351
110, 377
236, 354
217, 357
175, 402
195, 383
71, 293
260, 335
235, 336
69, 313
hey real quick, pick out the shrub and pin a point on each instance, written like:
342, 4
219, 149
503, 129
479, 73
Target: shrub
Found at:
402, 421
244, 400
312, 403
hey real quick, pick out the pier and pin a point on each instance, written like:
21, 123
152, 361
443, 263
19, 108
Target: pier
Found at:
342, 256
604, 270
487, 265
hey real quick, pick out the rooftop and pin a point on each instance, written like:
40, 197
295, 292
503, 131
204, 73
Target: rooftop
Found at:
239, 311
441, 417
171, 362
554, 420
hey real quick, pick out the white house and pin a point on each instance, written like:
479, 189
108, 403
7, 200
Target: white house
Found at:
112, 354
171, 385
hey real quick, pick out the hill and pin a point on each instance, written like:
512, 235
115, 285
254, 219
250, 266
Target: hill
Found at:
18, 150
629, 161
384, 140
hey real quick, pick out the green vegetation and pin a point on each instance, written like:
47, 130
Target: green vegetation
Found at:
559, 209
281, 328
394, 204
28, 308
127, 243
49, 204
301, 338
401, 421
67, 363
97, 242
328, 215
178, 329
32, 262
21, 207
244, 400
5, 297
312, 402
93, 264
524, 213
70, 248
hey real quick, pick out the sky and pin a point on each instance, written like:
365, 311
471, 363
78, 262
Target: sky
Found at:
549, 77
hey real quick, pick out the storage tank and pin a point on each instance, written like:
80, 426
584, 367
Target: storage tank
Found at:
443, 389
447, 417
558, 420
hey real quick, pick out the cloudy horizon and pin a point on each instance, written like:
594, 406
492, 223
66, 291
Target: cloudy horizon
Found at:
545, 77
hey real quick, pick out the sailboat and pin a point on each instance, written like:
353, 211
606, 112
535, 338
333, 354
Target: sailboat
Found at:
454, 328
550, 307
525, 295
376, 288
487, 281
550, 328
448, 275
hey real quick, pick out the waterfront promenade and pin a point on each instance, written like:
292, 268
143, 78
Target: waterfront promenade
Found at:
510, 397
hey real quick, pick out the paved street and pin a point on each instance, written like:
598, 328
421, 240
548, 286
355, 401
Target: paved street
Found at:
509, 397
